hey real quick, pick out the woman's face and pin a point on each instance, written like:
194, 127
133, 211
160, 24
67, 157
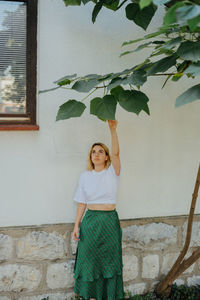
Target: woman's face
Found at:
98, 155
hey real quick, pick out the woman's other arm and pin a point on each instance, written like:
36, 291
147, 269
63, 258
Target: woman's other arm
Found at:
80, 211
115, 146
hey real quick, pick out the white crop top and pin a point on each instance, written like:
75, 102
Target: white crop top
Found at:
97, 187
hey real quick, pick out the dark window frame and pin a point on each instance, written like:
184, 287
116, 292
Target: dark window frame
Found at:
31, 74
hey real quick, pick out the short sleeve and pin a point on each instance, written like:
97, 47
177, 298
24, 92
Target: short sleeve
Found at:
80, 195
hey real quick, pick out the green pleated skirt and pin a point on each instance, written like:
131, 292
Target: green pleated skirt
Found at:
98, 269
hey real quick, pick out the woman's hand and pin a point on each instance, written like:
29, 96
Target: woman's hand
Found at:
112, 124
75, 234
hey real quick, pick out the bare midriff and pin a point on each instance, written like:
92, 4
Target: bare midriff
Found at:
101, 206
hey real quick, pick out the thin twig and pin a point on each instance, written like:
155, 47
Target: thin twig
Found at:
89, 94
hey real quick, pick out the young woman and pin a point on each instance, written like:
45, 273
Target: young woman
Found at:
98, 263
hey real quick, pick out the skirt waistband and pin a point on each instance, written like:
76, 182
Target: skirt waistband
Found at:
101, 210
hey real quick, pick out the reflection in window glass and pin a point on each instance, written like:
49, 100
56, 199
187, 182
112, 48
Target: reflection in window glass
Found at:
12, 57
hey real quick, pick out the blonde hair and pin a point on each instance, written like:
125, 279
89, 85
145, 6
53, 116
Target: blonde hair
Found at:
90, 165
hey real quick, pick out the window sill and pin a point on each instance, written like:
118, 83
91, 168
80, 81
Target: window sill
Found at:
14, 127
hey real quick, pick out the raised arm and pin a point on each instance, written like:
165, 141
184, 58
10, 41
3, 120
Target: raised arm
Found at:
115, 146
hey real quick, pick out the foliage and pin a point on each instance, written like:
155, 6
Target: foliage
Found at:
185, 292
177, 41
182, 292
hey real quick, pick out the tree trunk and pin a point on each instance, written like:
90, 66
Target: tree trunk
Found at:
163, 289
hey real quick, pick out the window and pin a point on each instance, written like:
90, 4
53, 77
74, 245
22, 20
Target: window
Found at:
18, 58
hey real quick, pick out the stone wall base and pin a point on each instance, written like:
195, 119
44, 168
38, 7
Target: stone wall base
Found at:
38, 261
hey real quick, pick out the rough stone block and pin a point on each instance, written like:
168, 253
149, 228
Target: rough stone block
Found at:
134, 289
17, 278
155, 235
194, 280
60, 275
168, 261
198, 263
38, 245
179, 281
130, 268
74, 246
195, 236
170, 258
150, 266
6, 247
55, 296
153, 285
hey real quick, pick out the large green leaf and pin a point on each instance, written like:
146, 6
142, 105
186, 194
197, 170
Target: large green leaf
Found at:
72, 2
137, 78
193, 23
85, 1
91, 76
142, 98
64, 82
144, 3
104, 108
111, 4
48, 90
160, 2
66, 77
133, 101
142, 66
172, 43
161, 51
131, 105
96, 10
170, 16
147, 36
70, 109
192, 94
116, 91
187, 12
105, 77
189, 50
85, 85
141, 17
140, 47
162, 65
115, 82
132, 41
193, 69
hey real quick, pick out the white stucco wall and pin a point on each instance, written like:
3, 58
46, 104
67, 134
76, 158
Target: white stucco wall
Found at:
159, 154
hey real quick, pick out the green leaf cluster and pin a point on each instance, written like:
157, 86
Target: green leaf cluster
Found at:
104, 108
177, 41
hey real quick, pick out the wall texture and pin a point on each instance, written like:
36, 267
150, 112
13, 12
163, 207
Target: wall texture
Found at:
38, 261
159, 154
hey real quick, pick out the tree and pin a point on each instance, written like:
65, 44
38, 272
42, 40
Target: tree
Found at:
178, 41
163, 289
